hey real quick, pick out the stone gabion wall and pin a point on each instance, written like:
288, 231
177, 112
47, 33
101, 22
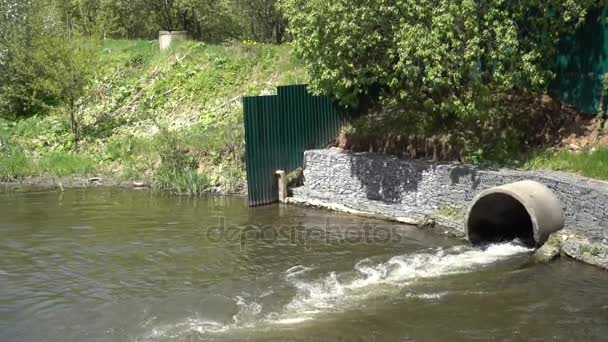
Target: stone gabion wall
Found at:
419, 190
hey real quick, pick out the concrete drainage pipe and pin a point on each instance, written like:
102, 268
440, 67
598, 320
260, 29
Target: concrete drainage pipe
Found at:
526, 210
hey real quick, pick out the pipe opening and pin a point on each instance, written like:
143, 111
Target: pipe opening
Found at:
497, 218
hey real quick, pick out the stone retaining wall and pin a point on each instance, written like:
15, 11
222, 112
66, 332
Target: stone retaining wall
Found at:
418, 192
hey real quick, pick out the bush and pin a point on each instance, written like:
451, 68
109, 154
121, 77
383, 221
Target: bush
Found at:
446, 59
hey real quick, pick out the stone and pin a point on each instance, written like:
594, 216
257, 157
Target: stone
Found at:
413, 190
549, 251
166, 38
137, 184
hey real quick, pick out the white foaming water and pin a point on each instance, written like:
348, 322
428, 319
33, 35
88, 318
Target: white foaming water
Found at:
330, 294
189, 325
296, 270
246, 317
247, 314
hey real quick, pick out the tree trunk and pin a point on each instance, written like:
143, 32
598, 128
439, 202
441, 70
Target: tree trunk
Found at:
279, 32
74, 124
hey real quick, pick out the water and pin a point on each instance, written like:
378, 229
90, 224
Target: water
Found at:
129, 266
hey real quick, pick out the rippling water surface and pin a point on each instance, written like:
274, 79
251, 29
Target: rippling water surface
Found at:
109, 265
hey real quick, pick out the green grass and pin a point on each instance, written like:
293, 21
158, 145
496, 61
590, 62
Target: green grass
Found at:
141, 96
61, 164
14, 164
589, 164
181, 182
452, 213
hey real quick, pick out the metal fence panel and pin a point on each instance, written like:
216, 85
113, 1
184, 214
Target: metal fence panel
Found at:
583, 63
278, 129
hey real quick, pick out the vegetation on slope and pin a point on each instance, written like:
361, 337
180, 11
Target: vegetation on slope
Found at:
173, 119
445, 80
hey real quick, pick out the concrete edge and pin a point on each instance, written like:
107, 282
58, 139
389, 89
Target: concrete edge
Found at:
565, 242
431, 221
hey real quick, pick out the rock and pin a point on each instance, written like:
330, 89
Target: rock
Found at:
217, 190
546, 253
550, 250
295, 177
139, 184
574, 147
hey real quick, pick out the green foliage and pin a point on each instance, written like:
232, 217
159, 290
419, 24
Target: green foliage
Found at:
14, 163
444, 59
180, 182
263, 17
174, 120
602, 107
208, 20
24, 85
42, 66
451, 213
39, 134
62, 164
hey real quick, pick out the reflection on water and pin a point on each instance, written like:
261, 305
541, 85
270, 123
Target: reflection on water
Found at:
129, 266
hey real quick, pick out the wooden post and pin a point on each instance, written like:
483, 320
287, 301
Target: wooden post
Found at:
282, 179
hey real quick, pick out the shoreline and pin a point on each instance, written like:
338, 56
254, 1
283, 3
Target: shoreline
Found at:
434, 195
49, 183
566, 242
46, 183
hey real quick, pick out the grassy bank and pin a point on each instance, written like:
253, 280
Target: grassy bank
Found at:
173, 120
592, 163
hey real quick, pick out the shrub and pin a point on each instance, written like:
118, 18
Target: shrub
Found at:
441, 58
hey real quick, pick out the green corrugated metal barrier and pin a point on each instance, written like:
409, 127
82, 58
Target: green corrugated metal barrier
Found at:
582, 62
278, 129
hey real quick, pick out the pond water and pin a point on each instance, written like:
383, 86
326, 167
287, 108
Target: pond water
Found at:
110, 265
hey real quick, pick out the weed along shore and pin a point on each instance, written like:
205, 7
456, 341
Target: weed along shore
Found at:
438, 195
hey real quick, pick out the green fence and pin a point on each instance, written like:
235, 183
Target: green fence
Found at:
582, 63
278, 129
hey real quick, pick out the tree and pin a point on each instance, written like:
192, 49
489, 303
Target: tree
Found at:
23, 87
44, 66
435, 57
209, 20
266, 22
72, 73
